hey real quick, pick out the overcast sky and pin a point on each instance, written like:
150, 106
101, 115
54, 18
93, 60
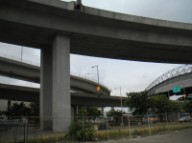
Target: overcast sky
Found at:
129, 75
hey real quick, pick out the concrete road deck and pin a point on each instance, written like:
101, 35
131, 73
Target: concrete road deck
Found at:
182, 136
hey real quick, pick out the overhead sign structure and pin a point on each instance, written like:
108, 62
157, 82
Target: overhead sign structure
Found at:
176, 89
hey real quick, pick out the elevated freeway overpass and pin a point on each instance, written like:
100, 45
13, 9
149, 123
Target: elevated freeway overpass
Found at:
59, 28
29, 94
31, 73
180, 76
94, 32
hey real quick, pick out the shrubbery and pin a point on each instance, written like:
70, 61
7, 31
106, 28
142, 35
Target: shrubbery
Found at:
81, 131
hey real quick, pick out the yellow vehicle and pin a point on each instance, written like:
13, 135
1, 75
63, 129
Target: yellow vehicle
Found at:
151, 118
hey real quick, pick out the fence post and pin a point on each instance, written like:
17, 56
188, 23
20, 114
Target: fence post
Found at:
149, 123
129, 125
166, 120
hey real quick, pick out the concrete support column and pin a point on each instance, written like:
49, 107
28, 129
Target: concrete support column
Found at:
55, 86
61, 84
102, 111
46, 89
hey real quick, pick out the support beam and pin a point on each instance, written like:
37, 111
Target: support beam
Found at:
55, 86
102, 111
46, 89
61, 84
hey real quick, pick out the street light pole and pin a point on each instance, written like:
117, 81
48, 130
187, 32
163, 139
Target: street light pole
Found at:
98, 87
121, 105
96, 66
120, 98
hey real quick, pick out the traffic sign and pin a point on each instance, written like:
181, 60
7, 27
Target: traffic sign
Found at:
98, 88
176, 89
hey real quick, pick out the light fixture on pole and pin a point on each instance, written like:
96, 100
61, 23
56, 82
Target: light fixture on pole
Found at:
120, 98
98, 87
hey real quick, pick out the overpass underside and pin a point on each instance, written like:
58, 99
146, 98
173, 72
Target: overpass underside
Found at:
57, 28
20, 93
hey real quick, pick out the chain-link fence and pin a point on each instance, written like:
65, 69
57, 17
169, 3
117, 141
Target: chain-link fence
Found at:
18, 129
27, 129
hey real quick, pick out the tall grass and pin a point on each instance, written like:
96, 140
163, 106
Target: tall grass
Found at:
114, 133
140, 131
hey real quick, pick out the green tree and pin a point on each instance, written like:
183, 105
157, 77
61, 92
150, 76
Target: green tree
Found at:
117, 115
82, 112
89, 112
159, 103
188, 107
34, 112
114, 113
81, 131
138, 102
34, 109
162, 104
19, 109
93, 111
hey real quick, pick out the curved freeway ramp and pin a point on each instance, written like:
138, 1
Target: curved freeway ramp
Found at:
27, 72
180, 76
14, 92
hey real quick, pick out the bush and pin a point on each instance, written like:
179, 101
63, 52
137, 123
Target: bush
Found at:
81, 131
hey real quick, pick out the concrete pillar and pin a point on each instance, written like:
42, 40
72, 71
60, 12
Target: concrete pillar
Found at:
102, 111
55, 86
46, 89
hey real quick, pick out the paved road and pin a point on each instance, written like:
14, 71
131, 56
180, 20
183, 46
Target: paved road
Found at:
182, 136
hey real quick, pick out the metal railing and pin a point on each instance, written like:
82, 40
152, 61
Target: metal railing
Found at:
181, 70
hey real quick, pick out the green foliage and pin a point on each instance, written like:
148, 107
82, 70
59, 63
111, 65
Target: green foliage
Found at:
138, 102
162, 104
114, 113
82, 112
188, 107
174, 106
34, 109
18, 110
93, 112
89, 112
81, 131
